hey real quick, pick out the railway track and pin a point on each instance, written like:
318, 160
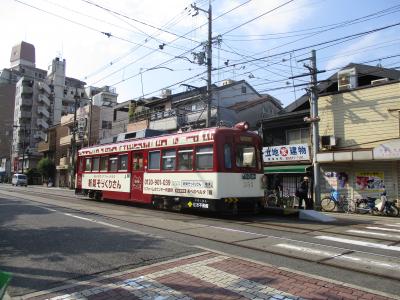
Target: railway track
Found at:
333, 253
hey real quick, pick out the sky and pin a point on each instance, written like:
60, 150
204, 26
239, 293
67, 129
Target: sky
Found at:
143, 47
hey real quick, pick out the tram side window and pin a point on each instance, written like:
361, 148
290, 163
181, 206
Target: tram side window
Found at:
113, 163
81, 164
104, 163
204, 158
123, 162
227, 156
185, 159
88, 164
245, 156
137, 161
154, 160
95, 165
168, 159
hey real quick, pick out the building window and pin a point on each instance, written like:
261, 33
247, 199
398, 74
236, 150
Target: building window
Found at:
106, 124
204, 158
185, 159
298, 136
154, 160
168, 160
244, 89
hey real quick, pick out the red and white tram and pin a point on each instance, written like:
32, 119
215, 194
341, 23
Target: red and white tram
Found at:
218, 169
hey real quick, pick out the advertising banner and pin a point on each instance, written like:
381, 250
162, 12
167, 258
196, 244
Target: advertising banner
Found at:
107, 182
370, 181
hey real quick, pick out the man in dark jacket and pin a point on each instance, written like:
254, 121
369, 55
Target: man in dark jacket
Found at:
302, 193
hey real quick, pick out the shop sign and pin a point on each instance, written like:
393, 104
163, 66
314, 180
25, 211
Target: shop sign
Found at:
294, 152
389, 150
370, 181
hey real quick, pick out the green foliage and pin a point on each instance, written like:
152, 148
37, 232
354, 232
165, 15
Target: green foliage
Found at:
46, 168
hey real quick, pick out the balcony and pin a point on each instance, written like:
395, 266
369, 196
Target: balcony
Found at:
26, 101
43, 111
27, 90
42, 123
44, 87
43, 99
24, 114
40, 135
67, 120
43, 147
63, 164
66, 140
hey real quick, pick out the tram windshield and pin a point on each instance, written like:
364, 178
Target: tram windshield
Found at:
246, 156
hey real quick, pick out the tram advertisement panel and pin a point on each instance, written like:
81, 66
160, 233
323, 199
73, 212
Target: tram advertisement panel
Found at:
107, 182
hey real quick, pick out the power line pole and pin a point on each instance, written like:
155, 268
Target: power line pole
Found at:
314, 119
209, 66
73, 143
209, 59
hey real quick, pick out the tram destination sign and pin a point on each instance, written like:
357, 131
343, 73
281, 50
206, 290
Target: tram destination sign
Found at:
294, 152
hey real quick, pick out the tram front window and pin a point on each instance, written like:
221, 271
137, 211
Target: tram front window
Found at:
246, 156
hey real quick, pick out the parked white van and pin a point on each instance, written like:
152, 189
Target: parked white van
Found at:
19, 179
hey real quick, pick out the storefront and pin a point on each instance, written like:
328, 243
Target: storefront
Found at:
285, 167
362, 173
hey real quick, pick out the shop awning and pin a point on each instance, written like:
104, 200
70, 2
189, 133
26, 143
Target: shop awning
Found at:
286, 169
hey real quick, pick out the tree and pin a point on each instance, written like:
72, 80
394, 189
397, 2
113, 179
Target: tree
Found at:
46, 168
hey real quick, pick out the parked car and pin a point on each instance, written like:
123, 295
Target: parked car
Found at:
19, 179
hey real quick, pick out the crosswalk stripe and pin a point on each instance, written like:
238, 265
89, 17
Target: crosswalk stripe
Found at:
335, 255
355, 242
383, 229
373, 233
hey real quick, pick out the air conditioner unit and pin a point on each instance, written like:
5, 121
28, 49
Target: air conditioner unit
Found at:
347, 79
328, 141
379, 81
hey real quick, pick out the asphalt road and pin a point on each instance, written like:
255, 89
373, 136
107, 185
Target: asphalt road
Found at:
49, 237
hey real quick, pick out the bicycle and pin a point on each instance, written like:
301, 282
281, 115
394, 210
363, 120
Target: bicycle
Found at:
272, 198
329, 203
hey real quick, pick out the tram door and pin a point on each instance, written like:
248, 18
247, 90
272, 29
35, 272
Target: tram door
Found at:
137, 178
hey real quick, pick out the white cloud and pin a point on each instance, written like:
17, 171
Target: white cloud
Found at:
349, 54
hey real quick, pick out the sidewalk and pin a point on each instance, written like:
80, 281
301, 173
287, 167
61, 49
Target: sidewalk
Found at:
209, 275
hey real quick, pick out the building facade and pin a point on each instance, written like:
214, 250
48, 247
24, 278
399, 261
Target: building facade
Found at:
360, 140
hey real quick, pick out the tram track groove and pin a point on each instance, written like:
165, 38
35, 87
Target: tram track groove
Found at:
234, 243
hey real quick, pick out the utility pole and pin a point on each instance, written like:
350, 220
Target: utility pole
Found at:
315, 129
313, 119
73, 142
209, 59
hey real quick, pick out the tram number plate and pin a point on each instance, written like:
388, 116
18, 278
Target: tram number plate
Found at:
248, 176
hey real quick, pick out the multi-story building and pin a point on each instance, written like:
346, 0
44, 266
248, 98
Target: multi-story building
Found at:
41, 99
22, 64
359, 130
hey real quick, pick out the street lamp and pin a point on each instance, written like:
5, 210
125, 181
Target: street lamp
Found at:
141, 70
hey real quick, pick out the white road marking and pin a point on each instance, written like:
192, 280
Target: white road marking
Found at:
359, 243
393, 225
333, 255
383, 229
373, 233
236, 230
